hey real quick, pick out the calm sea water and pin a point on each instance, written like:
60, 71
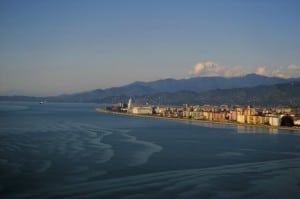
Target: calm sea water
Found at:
58, 150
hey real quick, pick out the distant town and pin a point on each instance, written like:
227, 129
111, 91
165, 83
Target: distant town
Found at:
234, 114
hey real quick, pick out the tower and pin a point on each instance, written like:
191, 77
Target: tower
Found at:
129, 105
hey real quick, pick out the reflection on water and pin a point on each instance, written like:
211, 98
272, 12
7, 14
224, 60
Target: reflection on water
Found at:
253, 129
239, 128
209, 124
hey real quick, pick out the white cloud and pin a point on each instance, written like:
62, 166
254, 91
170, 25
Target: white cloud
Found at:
261, 70
292, 67
289, 71
198, 68
210, 68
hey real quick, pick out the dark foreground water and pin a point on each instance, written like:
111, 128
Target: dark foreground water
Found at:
71, 151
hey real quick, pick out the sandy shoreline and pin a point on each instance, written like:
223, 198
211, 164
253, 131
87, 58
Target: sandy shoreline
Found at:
200, 121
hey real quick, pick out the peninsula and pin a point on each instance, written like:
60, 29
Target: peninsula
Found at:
274, 117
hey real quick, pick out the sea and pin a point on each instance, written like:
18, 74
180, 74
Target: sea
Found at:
65, 150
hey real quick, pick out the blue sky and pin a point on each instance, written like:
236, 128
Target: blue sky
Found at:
59, 46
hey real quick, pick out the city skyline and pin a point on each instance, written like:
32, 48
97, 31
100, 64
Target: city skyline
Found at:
56, 47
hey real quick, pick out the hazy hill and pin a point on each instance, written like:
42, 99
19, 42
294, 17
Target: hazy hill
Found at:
201, 84
278, 94
197, 84
175, 91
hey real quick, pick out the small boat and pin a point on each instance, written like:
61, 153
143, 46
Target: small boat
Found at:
42, 102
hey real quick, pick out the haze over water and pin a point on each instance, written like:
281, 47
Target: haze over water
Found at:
72, 151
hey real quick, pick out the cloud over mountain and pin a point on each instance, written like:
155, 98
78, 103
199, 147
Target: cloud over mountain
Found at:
210, 68
289, 71
261, 70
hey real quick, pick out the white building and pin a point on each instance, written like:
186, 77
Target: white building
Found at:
274, 120
144, 110
297, 122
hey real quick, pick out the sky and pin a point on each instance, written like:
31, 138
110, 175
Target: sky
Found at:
52, 47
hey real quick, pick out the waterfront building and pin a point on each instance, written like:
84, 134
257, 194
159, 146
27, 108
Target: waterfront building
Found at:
232, 115
239, 111
263, 120
283, 110
187, 114
256, 119
241, 118
224, 107
250, 111
197, 115
297, 122
207, 115
276, 116
219, 116
274, 120
249, 119
143, 110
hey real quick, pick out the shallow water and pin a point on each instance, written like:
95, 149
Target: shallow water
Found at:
57, 150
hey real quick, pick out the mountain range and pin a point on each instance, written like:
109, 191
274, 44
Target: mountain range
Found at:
204, 89
197, 84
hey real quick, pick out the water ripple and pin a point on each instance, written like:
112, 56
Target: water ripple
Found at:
141, 156
233, 181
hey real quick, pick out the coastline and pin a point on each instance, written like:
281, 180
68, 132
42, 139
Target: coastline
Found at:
295, 129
